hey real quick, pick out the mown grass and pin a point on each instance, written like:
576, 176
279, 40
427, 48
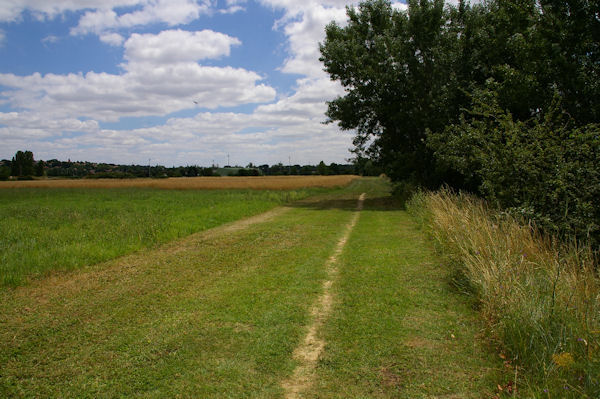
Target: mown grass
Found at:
398, 329
44, 230
540, 297
215, 315
219, 313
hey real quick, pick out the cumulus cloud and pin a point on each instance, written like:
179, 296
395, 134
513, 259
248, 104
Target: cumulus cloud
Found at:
102, 18
264, 136
50, 39
176, 46
169, 12
113, 39
161, 77
290, 127
304, 25
38, 126
233, 6
304, 37
11, 10
142, 91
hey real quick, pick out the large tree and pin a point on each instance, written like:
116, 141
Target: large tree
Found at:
402, 77
22, 163
407, 73
500, 97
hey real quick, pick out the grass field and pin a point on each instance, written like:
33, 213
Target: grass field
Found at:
59, 229
192, 183
398, 329
220, 314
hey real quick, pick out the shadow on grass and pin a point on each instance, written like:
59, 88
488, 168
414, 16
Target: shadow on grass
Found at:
383, 203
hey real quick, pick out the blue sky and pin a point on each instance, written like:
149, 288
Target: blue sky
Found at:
176, 81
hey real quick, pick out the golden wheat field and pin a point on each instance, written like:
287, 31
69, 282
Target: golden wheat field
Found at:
192, 183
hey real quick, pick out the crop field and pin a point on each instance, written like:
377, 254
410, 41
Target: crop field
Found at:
335, 295
192, 183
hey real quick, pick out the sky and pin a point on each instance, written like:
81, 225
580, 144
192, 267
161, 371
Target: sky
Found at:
168, 82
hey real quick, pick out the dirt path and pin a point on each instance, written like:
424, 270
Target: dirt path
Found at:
312, 346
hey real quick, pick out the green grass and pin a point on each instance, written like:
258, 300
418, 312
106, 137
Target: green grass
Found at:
539, 296
213, 316
44, 230
398, 329
218, 314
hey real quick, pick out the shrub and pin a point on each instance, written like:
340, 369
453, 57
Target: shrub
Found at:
541, 169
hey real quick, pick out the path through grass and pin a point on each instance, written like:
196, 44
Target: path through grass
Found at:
219, 314
398, 329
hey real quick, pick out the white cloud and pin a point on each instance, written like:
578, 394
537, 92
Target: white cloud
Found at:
142, 91
102, 18
176, 46
304, 37
289, 127
169, 12
262, 137
400, 6
304, 25
35, 122
50, 39
308, 101
11, 10
161, 77
113, 39
232, 10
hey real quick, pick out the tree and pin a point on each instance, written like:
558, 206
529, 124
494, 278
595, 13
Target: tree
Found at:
39, 168
22, 163
471, 96
394, 66
322, 169
4, 172
410, 73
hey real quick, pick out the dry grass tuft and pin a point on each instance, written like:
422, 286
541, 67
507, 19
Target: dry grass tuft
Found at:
193, 183
540, 296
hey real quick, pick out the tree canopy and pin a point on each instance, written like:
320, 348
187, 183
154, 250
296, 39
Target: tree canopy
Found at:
23, 163
498, 97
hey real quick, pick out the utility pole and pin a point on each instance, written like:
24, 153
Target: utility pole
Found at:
149, 159
228, 162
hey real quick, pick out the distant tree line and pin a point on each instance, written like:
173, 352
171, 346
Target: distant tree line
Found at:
500, 98
23, 166
321, 169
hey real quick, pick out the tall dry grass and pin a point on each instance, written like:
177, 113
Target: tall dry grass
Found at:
192, 183
540, 297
